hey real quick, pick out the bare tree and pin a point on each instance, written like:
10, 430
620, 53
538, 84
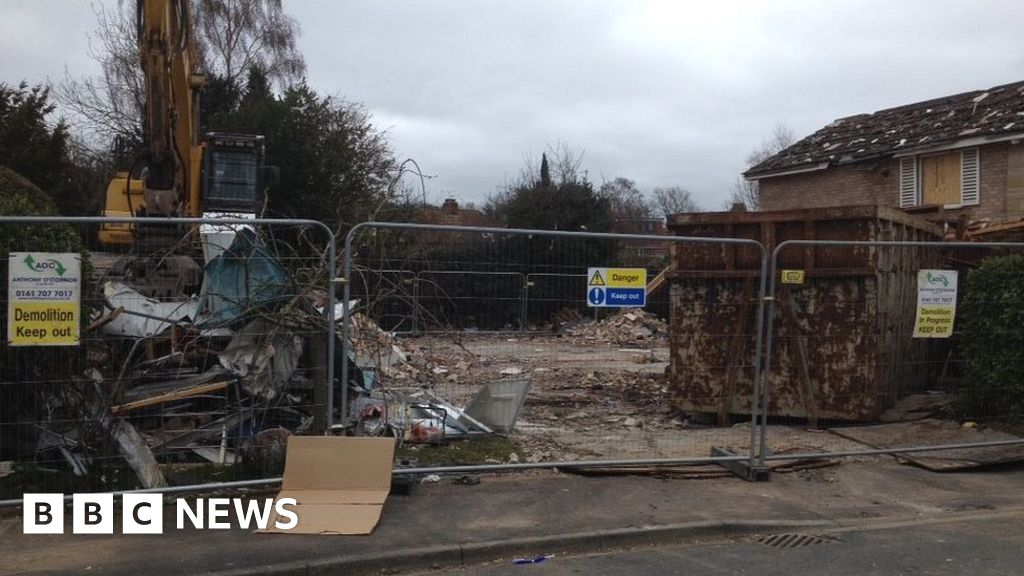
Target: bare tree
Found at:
233, 36
109, 106
627, 201
745, 191
673, 200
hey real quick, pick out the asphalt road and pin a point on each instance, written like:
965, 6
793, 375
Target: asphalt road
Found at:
979, 548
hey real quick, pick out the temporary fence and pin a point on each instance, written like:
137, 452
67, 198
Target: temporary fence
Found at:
503, 321
159, 358
895, 347
489, 334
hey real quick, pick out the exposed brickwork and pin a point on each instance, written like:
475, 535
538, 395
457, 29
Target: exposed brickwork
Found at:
1002, 186
1015, 182
861, 184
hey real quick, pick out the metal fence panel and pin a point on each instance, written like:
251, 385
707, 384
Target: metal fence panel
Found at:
443, 298
164, 391
390, 296
843, 354
599, 392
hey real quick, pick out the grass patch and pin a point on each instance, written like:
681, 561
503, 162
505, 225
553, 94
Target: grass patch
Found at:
463, 452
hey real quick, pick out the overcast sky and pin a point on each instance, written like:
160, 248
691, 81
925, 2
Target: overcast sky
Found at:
665, 93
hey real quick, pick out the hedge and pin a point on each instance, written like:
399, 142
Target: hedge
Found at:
992, 339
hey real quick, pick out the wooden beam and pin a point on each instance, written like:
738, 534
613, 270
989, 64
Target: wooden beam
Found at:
170, 397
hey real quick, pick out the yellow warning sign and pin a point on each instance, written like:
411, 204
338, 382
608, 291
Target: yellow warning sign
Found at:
596, 279
43, 304
936, 303
792, 276
44, 323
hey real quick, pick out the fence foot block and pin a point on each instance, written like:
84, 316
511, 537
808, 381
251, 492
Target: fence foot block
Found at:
742, 468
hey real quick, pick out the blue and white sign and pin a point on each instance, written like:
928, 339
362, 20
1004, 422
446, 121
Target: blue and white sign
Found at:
616, 287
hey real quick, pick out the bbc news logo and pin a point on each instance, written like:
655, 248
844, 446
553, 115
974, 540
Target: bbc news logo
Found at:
144, 513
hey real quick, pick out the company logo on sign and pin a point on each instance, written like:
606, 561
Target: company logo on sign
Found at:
936, 280
44, 303
144, 513
50, 264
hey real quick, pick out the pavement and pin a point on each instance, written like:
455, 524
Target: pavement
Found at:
988, 546
446, 525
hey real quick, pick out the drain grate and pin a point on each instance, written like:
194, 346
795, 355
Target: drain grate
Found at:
792, 540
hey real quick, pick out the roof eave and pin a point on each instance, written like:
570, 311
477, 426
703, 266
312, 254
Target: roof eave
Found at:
750, 176
961, 143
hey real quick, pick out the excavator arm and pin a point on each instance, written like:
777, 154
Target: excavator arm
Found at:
166, 45
178, 172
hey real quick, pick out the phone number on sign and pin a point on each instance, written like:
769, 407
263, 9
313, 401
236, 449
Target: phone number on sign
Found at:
43, 294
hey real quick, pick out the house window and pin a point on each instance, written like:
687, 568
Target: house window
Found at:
946, 179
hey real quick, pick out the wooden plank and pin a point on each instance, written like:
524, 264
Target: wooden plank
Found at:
170, 396
657, 282
809, 234
730, 249
940, 179
138, 455
735, 354
806, 388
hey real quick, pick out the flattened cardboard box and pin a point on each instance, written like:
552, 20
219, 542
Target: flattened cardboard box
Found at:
339, 484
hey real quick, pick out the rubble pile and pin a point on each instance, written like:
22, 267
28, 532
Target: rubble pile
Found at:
221, 376
628, 326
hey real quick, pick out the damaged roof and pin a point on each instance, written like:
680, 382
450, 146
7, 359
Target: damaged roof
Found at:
993, 113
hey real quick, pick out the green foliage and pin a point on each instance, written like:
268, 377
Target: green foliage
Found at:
992, 328
45, 153
30, 377
568, 204
335, 165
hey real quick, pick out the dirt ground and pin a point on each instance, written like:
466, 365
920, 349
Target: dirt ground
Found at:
588, 399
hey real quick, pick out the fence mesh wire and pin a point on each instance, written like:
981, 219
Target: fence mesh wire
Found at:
197, 356
865, 354
492, 311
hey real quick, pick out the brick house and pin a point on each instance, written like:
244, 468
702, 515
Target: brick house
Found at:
647, 253
956, 158
451, 214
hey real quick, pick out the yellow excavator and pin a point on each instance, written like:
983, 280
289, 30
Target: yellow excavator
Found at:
179, 173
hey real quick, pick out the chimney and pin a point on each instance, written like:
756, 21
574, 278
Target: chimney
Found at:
450, 206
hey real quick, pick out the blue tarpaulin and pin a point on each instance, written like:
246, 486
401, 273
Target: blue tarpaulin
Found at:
245, 277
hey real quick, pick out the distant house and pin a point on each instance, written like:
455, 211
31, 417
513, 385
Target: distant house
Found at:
650, 253
451, 214
956, 158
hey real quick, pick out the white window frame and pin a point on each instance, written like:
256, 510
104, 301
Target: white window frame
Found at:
909, 180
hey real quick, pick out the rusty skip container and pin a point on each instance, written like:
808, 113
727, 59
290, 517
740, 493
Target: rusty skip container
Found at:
842, 339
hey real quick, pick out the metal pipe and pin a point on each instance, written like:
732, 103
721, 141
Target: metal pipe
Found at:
545, 233
758, 387
215, 486
331, 328
469, 469
884, 451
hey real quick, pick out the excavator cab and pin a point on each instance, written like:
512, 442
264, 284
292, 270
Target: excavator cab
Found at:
233, 174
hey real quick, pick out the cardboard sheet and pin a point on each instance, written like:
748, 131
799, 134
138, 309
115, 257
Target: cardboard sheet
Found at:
340, 484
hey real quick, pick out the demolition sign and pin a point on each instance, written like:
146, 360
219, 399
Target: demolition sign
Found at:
43, 299
936, 303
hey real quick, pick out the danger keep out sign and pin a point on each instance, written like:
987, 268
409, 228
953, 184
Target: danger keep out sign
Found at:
616, 287
43, 299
